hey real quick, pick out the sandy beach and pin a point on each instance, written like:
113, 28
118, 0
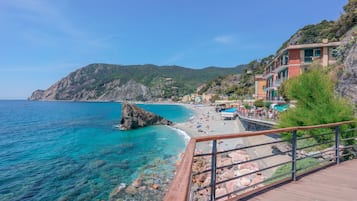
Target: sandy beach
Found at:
206, 121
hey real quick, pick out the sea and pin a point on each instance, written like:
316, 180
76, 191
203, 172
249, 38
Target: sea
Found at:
73, 151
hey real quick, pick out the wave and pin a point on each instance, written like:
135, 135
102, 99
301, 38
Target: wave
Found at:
182, 133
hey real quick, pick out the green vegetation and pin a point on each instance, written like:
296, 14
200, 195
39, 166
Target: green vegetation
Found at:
237, 86
267, 104
316, 103
282, 91
171, 81
303, 164
259, 103
348, 19
331, 30
247, 106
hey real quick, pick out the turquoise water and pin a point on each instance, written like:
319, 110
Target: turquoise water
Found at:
72, 151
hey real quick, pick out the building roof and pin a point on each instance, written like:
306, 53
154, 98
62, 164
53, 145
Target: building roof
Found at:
302, 46
259, 77
313, 45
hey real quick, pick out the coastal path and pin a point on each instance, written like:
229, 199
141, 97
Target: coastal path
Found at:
335, 183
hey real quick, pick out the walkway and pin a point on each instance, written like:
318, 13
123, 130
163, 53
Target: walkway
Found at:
257, 121
336, 183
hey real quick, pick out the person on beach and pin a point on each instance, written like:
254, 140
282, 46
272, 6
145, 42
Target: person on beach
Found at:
270, 114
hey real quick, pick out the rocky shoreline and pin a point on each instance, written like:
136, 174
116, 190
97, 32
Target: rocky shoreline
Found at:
151, 184
154, 180
204, 163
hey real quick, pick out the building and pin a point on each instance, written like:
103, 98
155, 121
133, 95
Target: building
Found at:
260, 83
294, 60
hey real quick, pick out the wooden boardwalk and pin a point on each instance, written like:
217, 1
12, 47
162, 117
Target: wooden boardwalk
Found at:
336, 183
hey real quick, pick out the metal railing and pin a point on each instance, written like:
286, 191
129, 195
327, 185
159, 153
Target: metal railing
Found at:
337, 146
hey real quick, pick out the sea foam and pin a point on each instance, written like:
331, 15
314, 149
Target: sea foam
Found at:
182, 133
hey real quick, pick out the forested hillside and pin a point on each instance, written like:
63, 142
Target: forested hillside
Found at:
134, 82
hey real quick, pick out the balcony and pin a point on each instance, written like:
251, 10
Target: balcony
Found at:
218, 162
268, 74
278, 82
270, 88
310, 59
280, 68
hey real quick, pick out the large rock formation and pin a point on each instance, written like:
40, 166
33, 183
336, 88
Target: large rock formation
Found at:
135, 117
347, 83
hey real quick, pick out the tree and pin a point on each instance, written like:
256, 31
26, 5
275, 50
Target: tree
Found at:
282, 90
316, 102
247, 106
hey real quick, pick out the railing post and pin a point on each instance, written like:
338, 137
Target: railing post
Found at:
337, 144
293, 155
213, 170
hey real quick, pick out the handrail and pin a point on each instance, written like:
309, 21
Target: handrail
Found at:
179, 189
265, 132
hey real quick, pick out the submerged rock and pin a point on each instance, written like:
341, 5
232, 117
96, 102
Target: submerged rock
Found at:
96, 164
135, 117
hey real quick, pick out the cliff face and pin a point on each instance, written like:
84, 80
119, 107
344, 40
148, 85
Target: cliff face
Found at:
68, 90
347, 83
37, 95
135, 117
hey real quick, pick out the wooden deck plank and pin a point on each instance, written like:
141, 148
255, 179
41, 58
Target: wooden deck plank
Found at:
336, 183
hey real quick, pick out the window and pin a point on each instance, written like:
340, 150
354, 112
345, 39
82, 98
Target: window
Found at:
308, 53
317, 52
286, 58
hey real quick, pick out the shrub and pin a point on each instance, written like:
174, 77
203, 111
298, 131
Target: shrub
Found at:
304, 164
259, 103
316, 103
267, 104
247, 106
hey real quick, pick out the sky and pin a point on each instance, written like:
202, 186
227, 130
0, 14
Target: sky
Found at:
42, 41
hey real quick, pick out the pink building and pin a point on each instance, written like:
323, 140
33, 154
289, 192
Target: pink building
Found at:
294, 60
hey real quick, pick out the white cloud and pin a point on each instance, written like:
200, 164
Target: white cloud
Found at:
224, 39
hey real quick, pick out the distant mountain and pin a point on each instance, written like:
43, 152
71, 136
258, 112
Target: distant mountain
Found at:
109, 82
